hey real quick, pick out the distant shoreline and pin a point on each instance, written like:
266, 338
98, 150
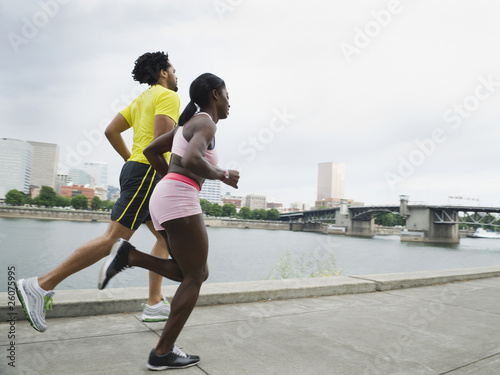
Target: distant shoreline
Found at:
15, 212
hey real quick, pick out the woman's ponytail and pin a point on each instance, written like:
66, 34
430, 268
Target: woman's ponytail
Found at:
188, 112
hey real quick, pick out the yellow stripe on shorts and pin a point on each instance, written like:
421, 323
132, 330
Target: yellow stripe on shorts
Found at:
145, 197
139, 189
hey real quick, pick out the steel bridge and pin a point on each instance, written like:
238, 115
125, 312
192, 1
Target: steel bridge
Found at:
425, 223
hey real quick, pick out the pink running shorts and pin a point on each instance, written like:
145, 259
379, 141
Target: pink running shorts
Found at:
175, 196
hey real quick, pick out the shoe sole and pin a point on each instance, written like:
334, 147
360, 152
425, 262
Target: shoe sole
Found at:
153, 320
160, 368
23, 299
102, 282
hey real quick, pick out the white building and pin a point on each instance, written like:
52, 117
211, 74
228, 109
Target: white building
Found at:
15, 165
44, 166
211, 191
255, 202
80, 177
331, 180
99, 171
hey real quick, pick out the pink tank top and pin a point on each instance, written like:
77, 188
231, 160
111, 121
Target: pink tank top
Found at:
180, 144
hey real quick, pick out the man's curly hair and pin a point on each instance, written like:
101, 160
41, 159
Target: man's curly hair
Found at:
148, 66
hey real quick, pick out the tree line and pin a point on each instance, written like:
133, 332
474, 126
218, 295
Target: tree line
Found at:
229, 210
49, 198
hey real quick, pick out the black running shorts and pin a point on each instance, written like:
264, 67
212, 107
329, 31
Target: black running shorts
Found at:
137, 181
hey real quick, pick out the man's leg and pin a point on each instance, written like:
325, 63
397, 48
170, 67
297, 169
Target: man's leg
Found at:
86, 255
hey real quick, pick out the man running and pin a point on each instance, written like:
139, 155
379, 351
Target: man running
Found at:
151, 114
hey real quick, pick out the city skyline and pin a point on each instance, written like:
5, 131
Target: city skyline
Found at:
406, 94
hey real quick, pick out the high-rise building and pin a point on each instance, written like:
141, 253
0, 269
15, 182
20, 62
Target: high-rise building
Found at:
80, 177
15, 165
99, 171
255, 202
211, 191
331, 180
45, 161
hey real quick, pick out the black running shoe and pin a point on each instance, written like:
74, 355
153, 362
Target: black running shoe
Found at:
175, 358
116, 262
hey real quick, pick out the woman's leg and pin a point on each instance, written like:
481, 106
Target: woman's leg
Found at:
187, 241
188, 244
164, 267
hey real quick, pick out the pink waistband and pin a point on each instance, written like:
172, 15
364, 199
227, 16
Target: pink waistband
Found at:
182, 178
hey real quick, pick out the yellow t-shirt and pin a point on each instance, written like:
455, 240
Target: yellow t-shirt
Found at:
140, 115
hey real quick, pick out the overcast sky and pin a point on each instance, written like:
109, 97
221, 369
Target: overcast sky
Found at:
405, 93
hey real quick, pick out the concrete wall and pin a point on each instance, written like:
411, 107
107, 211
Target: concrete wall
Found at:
53, 214
246, 224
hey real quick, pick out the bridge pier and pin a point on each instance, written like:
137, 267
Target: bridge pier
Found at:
422, 227
363, 228
296, 226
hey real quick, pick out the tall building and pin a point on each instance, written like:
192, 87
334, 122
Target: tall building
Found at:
15, 165
80, 177
99, 171
255, 202
211, 191
331, 180
45, 161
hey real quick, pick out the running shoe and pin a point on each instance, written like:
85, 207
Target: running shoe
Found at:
156, 313
175, 358
116, 262
35, 303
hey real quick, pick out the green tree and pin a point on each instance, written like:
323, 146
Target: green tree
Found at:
107, 204
229, 210
390, 219
272, 214
15, 197
259, 214
215, 210
47, 197
205, 206
386, 220
245, 213
63, 201
96, 203
80, 202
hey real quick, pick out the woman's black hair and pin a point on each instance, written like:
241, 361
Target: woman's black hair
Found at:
199, 93
147, 67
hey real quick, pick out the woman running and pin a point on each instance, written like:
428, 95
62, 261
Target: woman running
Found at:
176, 212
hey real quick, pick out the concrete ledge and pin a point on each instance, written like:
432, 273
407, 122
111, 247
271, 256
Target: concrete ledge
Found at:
119, 300
252, 291
391, 281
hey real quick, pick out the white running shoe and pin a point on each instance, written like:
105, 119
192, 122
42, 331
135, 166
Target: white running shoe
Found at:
35, 303
156, 313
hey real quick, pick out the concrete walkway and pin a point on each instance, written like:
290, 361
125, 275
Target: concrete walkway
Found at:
451, 328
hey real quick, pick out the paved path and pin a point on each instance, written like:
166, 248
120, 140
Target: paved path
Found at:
452, 328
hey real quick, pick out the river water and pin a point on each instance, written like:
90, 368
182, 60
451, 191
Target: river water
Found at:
34, 247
